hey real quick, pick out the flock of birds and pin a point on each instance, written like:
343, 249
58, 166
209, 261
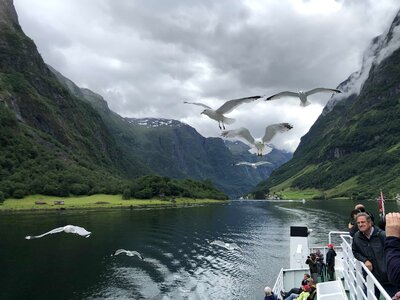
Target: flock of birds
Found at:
84, 233
259, 146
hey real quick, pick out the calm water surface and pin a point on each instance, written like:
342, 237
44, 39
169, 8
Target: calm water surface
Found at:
179, 261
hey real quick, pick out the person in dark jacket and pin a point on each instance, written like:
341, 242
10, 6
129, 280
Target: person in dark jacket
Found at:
368, 247
352, 225
269, 295
312, 263
330, 262
392, 248
297, 290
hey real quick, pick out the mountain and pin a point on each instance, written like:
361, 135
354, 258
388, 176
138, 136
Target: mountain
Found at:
59, 139
174, 149
353, 149
49, 139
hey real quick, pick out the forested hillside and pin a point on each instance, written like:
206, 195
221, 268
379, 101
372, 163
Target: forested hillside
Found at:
59, 139
353, 150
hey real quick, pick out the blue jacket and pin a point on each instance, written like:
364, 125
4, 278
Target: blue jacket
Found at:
271, 297
392, 254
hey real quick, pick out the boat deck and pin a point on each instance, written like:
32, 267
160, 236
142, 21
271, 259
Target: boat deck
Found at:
350, 281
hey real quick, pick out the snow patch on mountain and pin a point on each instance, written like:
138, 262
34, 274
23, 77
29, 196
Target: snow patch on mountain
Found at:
154, 122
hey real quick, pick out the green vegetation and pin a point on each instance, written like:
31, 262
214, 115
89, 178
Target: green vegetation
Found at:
300, 194
95, 201
352, 151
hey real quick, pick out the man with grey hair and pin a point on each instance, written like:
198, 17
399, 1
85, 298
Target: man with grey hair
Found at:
368, 247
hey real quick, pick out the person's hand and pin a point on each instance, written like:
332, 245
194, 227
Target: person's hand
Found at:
393, 224
368, 264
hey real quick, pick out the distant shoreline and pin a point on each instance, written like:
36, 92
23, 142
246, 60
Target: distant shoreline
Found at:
47, 203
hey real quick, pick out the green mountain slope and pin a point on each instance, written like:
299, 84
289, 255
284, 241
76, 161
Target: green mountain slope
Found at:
59, 139
51, 142
354, 149
174, 149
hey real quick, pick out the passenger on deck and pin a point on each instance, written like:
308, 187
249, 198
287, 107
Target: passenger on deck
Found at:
269, 295
312, 263
330, 262
392, 248
367, 247
303, 295
353, 228
297, 290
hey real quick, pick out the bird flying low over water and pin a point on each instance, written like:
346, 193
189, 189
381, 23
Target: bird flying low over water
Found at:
253, 165
302, 95
227, 246
258, 145
68, 229
129, 253
227, 107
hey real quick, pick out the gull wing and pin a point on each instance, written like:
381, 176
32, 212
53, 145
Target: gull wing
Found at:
56, 230
272, 130
137, 254
242, 133
197, 103
282, 94
263, 162
81, 231
244, 163
119, 251
317, 90
230, 105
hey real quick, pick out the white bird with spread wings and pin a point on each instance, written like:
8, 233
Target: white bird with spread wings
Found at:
258, 144
302, 95
253, 165
227, 107
68, 229
128, 253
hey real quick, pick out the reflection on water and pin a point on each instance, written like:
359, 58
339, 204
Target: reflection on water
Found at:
179, 260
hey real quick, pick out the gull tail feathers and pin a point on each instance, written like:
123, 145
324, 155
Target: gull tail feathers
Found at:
228, 120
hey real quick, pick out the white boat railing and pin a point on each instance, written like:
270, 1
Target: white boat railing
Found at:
359, 287
348, 269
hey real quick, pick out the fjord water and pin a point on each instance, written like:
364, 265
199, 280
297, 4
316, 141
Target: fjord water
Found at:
179, 261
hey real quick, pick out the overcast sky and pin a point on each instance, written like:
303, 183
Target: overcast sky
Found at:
146, 57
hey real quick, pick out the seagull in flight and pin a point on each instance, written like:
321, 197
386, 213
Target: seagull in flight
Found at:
128, 253
227, 107
227, 246
253, 165
257, 144
302, 95
68, 229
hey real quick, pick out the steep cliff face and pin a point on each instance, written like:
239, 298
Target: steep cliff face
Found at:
56, 138
353, 149
46, 132
174, 149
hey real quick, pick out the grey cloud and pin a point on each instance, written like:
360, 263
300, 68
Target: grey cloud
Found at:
146, 57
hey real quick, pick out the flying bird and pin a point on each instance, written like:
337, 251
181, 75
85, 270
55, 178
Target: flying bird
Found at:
227, 107
68, 229
258, 144
227, 246
253, 165
128, 253
302, 95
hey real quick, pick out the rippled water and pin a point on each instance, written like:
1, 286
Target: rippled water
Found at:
179, 261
